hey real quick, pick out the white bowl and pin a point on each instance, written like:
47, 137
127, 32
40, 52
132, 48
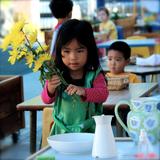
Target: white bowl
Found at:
72, 143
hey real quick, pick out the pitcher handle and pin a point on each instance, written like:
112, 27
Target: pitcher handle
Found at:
117, 115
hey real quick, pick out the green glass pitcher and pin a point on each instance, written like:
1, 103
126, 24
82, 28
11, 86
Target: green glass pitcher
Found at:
144, 114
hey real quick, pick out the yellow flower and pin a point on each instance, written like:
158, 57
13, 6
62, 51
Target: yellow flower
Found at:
37, 65
41, 48
30, 59
45, 47
32, 37
18, 26
31, 33
22, 53
24, 45
6, 42
39, 62
13, 56
17, 39
44, 57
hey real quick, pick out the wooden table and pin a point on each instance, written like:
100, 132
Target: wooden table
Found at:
149, 42
35, 104
142, 71
126, 149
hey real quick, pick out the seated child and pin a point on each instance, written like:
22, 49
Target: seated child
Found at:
107, 28
106, 24
118, 57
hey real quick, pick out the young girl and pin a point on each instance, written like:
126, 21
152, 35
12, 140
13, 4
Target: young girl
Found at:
77, 58
118, 57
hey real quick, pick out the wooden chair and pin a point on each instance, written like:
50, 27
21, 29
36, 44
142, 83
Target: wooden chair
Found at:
139, 51
127, 24
47, 120
156, 48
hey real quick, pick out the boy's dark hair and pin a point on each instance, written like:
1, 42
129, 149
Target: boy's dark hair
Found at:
104, 9
60, 8
122, 47
82, 31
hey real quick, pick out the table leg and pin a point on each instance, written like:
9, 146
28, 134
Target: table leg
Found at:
33, 130
154, 78
143, 78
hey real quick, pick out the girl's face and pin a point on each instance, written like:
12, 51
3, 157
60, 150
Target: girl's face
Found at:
74, 56
116, 62
102, 16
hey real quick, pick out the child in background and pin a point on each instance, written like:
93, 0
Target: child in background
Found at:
62, 10
118, 57
77, 58
107, 31
106, 24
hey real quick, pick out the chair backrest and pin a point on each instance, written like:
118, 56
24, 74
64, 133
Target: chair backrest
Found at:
127, 24
139, 51
47, 120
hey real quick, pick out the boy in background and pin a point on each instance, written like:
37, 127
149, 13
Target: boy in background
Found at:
118, 57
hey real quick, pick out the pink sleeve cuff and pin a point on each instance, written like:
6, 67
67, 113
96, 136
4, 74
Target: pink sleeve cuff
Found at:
45, 96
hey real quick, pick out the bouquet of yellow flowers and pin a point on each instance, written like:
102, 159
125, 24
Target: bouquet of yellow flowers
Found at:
23, 44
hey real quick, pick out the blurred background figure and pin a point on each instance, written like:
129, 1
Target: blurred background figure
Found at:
107, 31
62, 11
106, 24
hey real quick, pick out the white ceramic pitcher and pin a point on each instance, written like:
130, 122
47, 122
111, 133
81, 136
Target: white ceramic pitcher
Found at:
104, 143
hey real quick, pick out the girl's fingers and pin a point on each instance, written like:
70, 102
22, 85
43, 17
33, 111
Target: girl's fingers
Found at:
71, 89
55, 81
57, 84
54, 77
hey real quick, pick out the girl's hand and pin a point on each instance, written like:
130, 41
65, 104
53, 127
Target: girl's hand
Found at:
72, 89
53, 83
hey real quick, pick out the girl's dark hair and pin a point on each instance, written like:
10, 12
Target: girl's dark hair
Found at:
61, 8
122, 47
80, 30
